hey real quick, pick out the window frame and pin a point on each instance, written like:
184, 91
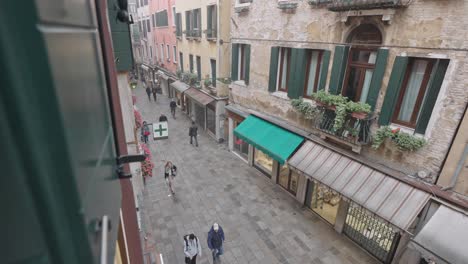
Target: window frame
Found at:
280, 69
317, 72
174, 53
168, 50
241, 68
360, 65
162, 52
422, 91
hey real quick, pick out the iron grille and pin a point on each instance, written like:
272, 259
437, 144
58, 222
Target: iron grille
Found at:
376, 236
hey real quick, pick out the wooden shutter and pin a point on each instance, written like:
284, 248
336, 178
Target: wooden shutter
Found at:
187, 24
338, 69
377, 76
273, 69
247, 63
235, 62
393, 90
431, 97
209, 22
324, 70
297, 73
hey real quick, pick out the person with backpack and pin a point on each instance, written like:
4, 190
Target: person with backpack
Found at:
173, 106
170, 171
145, 132
192, 249
148, 92
153, 90
162, 118
193, 131
215, 241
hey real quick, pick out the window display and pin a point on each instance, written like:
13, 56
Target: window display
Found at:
263, 162
288, 179
211, 118
199, 116
323, 200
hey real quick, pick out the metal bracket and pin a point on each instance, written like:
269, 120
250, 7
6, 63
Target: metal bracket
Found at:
121, 160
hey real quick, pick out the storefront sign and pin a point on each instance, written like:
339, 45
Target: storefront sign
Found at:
160, 130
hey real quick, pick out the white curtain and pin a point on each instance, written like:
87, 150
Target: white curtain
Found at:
412, 90
285, 68
312, 70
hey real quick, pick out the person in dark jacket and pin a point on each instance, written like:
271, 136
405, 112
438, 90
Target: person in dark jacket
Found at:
153, 90
193, 131
173, 106
215, 241
162, 118
148, 92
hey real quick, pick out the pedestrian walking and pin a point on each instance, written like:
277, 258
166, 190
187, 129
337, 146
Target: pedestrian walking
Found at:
153, 90
162, 118
148, 92
192, 249
193, 132
173, 106
145, 132
170, 171
215, 241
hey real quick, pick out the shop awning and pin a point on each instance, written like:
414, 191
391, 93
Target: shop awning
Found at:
446, 235
394, 201
163, 75
274, 141
180, 86
198, 96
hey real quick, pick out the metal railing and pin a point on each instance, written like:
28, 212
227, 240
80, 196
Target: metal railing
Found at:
341, 5
355, 131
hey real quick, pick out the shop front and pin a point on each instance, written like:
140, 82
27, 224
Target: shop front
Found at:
288, 179
236, 144
178, 88
211, 118
272, 145
371, 208
164, 82
198, 105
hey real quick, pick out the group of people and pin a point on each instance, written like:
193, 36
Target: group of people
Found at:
152, 90
215, 241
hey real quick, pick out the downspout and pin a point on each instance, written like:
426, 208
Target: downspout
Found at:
458, 169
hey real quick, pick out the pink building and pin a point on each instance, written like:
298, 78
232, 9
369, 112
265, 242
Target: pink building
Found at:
163, 42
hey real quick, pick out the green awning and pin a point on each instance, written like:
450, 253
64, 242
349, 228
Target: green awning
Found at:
274, 141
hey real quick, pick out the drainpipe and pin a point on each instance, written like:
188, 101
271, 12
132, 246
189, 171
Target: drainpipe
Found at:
458, 169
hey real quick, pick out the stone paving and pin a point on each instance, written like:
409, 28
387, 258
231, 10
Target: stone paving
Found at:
262, 223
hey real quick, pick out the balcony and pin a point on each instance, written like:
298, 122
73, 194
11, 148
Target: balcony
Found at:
193, 34
345, 5
354, 133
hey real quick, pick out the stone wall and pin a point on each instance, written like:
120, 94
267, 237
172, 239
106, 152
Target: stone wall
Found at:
433, 29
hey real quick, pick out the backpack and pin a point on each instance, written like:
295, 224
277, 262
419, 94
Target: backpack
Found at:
186, 240
174, 170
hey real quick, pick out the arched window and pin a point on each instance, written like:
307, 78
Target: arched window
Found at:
361, 61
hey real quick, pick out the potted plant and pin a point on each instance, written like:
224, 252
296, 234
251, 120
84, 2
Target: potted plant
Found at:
358, 110
207, 81
179, 73
352, 133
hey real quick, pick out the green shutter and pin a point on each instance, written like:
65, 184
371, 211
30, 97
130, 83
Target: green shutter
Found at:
297, 73
338, 69
235, 62
431, 97
377, 76
247, 63
187, 24
273, 69
324, 70
393, 90
209, 22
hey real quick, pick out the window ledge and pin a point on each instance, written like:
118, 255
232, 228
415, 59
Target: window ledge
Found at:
240, 83
286, 5
405, 129
282, 95
240, 8
212, 39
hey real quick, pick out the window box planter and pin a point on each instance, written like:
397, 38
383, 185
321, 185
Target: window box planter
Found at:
287, 5
359, 115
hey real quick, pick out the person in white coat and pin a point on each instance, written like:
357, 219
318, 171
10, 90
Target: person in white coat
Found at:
192, 249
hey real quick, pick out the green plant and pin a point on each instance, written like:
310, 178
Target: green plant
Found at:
353, 131
179, 73
403, 140
304, 108
207, 81
340, 116
225, 80
358, 107
329, 99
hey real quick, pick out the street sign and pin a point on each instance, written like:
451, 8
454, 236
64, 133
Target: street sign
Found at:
160, 130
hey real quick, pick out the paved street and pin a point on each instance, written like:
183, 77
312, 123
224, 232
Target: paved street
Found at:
262, 223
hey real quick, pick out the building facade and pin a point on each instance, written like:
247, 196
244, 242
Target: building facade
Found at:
203, 34
406, 60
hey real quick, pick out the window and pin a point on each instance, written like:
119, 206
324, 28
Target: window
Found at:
283, 71
191, 62
144, 28
196, 16
313, 68
178, 25
199, 67
152, 19
361, 64
162, 52
413, 92
188, 24
151, 52
161, 19
263, 162
242, 61
174, 54
212, 26
174, 17
140, 26
288, 179
146, 2
168, 56
213, 72
181, 61
148, 26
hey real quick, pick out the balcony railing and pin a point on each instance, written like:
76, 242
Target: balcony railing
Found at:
194, 33
354, 132
211, 33
343, 5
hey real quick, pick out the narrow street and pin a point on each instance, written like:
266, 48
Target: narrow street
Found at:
262, 223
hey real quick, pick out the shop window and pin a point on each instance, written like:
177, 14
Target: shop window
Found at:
413, 92
283, 69
263, 162
240, 146
199, 115
211, 118
323, 201
288, 179
314, 61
